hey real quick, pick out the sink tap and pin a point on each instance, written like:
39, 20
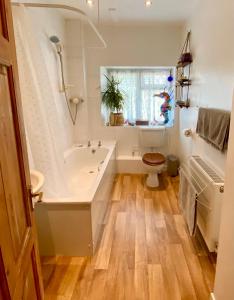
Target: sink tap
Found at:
89, 144
99, 144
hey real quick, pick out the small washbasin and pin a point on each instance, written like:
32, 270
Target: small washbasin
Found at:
37, 180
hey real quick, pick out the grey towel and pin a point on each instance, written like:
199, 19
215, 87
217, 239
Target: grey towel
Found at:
213, 126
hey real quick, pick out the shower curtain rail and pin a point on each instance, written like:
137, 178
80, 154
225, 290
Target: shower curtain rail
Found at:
65, 7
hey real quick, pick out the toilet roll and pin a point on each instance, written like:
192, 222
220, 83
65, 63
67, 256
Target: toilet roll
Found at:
187, 132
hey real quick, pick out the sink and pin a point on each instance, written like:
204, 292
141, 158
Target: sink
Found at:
37, 181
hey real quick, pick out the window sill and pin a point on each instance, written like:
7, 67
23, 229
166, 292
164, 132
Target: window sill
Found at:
156, 127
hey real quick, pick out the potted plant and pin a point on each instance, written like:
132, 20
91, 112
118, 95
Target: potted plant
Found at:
113, 99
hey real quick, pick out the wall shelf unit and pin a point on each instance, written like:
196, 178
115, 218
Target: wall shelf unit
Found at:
183, 71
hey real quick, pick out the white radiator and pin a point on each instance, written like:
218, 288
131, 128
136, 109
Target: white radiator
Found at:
211, 187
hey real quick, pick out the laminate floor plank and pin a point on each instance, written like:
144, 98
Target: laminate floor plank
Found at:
117, 188
151, 233
171, 285
156, 284
194, 266
182, 272
172, 196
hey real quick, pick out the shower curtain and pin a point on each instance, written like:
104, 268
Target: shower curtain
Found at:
44, 129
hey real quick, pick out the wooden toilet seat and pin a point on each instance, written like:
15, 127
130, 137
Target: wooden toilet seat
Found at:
153, 159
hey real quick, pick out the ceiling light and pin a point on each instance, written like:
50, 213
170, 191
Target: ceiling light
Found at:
148, 3
89, 2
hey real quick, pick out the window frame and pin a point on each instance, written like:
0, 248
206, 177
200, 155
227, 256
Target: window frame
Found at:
105, 70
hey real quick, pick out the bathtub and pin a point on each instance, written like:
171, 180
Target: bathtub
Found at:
73, 225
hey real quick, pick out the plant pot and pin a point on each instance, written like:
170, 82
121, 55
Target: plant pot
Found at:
116, 119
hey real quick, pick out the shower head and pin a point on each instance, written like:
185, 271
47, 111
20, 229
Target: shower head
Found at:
55, 40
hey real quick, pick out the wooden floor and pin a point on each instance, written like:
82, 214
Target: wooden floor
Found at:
145, 252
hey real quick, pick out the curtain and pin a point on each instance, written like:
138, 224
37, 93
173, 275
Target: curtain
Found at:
44, 130
139, 87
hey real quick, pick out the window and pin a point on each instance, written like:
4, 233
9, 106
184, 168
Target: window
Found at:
139, 87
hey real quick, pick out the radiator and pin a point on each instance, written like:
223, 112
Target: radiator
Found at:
209, 202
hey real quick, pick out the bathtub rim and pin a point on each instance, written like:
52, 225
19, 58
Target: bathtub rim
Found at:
88, 198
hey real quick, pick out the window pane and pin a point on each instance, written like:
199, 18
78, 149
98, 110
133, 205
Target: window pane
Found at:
152, 79
128, 87
151, 106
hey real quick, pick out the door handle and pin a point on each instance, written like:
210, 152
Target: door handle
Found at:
36, 197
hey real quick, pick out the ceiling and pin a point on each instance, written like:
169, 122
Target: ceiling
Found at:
135, 11
120, 12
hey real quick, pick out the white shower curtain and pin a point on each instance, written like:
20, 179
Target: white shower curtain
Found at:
45, 133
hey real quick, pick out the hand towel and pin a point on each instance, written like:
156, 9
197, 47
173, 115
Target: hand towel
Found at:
213, 126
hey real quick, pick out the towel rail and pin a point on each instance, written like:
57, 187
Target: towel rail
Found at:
205, 183
197, 192
203, 204
193, 180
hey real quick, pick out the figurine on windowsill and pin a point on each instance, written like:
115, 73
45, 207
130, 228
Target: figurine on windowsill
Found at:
165, 107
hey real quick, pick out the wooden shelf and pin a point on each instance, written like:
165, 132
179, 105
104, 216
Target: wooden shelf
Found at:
184, 82
182, 104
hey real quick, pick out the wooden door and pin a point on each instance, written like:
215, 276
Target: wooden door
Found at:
20, 276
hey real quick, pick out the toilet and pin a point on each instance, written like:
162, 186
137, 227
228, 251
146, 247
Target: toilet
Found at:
152, 139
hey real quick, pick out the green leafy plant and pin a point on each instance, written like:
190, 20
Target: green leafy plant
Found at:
112, 97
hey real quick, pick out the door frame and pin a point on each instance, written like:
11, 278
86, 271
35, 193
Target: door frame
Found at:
8, 63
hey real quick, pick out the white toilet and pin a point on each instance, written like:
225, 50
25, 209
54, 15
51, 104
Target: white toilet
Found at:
151, 139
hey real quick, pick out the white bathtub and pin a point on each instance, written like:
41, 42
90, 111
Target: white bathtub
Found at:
72, 225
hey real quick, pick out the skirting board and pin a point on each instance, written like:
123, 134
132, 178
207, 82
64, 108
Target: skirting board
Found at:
212, 296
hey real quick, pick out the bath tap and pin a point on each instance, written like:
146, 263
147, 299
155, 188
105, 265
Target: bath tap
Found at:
99, 144
89, 144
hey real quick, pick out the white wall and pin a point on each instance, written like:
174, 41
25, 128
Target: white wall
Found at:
212, 29
157, 45
212, 72
76, 75
70, 33
224, 288
48, 23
